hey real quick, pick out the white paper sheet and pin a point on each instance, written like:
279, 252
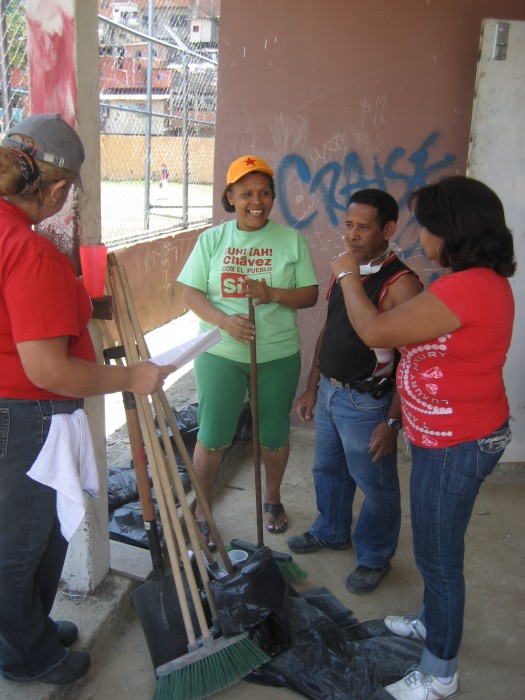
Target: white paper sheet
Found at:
185, 352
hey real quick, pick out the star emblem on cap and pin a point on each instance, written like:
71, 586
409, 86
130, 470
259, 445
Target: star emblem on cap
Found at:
249, 161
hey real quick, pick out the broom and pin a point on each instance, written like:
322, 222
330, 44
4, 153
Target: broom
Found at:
211, 664
289, 569
179, 442
233, 658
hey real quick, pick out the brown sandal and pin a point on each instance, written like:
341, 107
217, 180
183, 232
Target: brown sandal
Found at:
275, 509
206, 533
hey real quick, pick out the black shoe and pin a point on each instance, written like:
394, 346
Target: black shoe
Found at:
306, 543
364, 580
67, 632
74, 666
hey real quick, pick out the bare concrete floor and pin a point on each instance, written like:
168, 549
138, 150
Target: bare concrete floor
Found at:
492, 654
493, 651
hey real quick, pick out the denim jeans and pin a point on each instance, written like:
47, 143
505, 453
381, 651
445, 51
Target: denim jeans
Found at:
344, 420
32, 549
444, 484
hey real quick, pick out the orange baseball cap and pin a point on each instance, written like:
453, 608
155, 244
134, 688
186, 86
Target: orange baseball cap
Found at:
245, 165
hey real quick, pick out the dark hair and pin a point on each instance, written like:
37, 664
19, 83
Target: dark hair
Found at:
224, 199
470, 219
386, 205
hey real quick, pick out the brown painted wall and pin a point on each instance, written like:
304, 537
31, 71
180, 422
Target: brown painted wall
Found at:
345, 94
152, 268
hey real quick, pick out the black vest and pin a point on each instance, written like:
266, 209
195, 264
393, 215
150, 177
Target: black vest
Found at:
343, 355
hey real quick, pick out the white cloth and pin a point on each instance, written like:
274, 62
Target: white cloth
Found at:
67, 464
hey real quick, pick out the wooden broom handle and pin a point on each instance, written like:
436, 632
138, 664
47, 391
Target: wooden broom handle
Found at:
166, 410
255, 429
136, 442
160, 466
170, 456
143, 409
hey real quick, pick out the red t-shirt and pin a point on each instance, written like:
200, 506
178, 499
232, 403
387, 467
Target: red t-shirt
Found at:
452, 387
40, 297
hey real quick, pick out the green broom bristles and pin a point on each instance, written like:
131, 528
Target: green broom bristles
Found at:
291, 571
287, 566
217, 665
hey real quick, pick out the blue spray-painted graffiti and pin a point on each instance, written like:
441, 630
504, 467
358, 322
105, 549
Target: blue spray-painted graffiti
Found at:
335, 182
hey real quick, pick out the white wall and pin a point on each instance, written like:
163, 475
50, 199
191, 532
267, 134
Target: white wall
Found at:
497, 157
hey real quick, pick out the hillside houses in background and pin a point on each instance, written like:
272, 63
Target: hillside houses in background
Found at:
183, 86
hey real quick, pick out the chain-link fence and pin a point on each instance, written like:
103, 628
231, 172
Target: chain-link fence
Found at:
158, 86
13, 56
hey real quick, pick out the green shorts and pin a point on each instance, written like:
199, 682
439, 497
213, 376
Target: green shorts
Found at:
222, 385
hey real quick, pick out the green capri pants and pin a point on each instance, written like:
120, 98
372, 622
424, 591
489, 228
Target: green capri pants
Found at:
222, 385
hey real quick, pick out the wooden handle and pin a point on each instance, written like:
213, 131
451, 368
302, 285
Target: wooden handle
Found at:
159, 467
255, 429
140, 463
165, 410
181, 447
136, 442
144, 409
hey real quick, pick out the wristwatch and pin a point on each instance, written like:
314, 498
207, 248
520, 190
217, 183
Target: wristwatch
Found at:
393, 423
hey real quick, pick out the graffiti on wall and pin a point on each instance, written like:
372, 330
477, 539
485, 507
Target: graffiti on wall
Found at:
334, 181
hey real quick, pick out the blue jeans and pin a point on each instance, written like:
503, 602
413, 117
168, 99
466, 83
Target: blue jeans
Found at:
344, 420
32, 549
444, 484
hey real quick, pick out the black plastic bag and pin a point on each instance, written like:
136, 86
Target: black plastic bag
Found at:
122, 487
186, 418
126, 525
245, 423
318, 648
388, 655
186, 421
251, 598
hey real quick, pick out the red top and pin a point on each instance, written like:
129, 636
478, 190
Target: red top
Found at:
40, 297
452, 387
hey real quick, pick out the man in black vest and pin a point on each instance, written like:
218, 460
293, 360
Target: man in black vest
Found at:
358, 413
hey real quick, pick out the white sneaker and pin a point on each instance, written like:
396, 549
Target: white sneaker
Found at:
418, 686
406, 626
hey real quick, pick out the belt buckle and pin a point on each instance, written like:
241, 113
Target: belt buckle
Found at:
336, 382
382, 386
366, 386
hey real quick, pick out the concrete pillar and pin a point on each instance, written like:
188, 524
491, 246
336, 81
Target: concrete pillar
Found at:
63, 75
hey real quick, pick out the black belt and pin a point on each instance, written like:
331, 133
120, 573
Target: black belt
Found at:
377, 386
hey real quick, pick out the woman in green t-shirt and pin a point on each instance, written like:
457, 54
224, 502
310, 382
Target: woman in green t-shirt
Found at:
249, 256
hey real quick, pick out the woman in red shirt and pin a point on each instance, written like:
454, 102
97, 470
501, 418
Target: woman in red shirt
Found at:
454, 339
47, 363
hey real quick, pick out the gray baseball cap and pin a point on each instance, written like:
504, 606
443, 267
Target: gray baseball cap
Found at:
55, 141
